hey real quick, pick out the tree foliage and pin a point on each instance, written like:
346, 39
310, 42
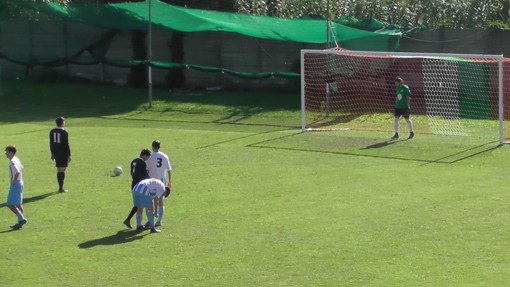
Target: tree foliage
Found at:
406, 13
454, 14
15, 12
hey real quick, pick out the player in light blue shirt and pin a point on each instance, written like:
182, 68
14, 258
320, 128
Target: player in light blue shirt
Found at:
143, 194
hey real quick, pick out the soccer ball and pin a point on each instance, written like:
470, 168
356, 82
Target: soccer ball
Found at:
117, 171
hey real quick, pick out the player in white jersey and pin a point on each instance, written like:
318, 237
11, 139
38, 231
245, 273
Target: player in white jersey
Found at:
143, 194
158, 166
15, 196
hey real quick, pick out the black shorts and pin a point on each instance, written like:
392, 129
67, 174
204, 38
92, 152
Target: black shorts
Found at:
61, 160
402, 113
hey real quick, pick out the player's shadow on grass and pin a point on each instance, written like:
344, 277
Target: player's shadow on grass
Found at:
380, 144
33, 198
9, 230
123, 236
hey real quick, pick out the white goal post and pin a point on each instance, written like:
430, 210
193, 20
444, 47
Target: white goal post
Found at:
454, 94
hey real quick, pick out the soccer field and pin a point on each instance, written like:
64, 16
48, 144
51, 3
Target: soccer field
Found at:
255, 202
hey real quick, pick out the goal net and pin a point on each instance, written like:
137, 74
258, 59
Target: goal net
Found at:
451, 94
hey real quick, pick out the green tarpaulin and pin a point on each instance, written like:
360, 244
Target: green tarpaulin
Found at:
135, 16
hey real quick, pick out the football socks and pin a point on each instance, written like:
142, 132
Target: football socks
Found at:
138, 219
150, 216
161, 211
60, 178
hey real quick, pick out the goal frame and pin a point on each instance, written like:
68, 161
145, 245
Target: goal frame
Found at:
499, 58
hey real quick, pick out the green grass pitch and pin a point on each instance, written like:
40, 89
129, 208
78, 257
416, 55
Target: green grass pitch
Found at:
255, 202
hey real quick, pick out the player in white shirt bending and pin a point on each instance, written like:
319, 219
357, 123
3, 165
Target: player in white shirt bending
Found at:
159, 167
143, 194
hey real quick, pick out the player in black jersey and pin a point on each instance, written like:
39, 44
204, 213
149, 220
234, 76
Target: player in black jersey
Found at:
138, 173
60, 151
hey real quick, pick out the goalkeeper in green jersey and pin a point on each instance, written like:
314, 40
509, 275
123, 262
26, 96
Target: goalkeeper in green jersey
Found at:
402, 105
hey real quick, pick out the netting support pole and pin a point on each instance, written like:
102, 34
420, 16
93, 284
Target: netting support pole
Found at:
328, 32
303, 119
500, 99
328, 100
149, 60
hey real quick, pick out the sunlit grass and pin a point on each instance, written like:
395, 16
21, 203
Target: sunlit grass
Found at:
255, 202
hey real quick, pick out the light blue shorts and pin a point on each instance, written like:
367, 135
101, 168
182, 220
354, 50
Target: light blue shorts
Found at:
15, 196
141, 199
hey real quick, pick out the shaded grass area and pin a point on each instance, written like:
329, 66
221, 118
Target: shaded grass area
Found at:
36, 101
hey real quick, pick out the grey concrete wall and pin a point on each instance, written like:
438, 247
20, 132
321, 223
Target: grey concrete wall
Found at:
48, 40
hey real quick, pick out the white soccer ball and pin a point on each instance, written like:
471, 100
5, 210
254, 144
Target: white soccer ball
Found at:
117, 171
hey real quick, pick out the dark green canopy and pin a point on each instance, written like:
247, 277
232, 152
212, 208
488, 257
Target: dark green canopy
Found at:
135, 16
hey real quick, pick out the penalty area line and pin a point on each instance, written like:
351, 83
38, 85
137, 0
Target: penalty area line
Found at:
326, 130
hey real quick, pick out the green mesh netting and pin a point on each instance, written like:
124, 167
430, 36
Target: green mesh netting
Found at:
135, 16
